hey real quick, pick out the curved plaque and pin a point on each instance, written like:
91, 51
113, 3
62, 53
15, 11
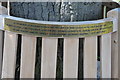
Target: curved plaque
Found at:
54, 30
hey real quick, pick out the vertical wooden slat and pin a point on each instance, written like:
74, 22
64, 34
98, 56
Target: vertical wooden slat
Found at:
114, 44
2, 11
28, 53
1, 51
70, 64
114, 55
9, 55
1, 42
105, 56
90, 57
118, 11
8, 7
49, 57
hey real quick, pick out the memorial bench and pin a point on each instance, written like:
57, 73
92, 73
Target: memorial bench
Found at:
50, 31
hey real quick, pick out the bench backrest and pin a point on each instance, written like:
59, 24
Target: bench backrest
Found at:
108, 52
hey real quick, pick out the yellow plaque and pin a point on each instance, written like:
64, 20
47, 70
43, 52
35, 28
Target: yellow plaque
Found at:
51, 30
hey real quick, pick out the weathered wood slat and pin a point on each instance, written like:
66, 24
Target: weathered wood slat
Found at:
119, 43
105, 56
90, 57
114, 44
1, 50
28, 54
114, 55
2, 11
9, 52
49, 57
70, 64
9, 55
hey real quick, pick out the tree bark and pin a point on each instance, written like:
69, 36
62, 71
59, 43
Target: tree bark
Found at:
58, 11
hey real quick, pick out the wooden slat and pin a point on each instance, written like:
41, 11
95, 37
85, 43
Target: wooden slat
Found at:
2, 11
114, 54
90, 57
1, 50
105, 56
49, 57
118, 42
9, 55
28, 53
70, 64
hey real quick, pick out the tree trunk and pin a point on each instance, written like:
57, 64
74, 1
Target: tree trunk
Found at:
57, 11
